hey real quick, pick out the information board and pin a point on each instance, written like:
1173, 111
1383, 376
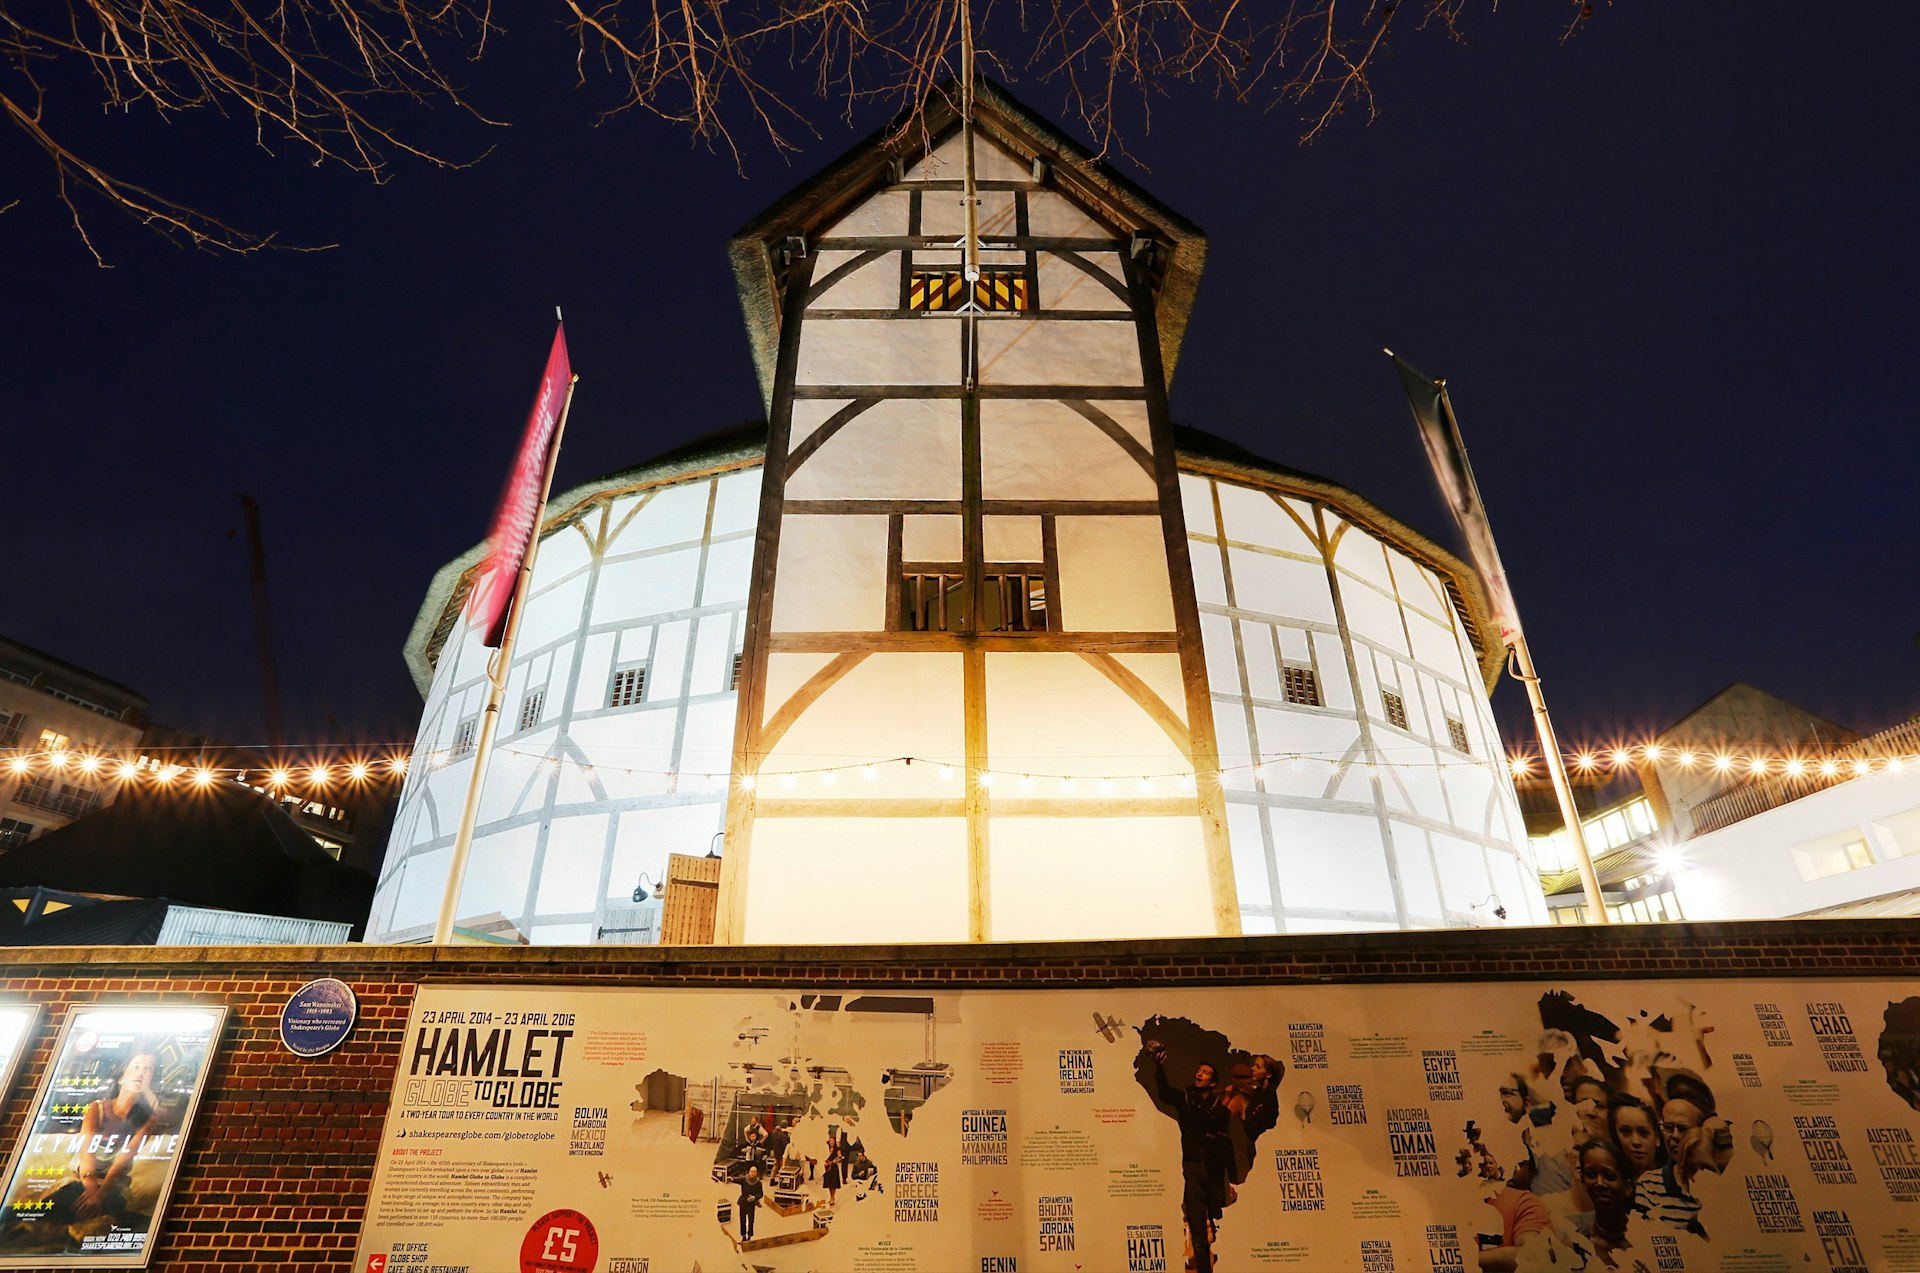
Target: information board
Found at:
1653, 1126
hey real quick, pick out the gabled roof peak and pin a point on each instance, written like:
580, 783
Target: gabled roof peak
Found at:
1062, 163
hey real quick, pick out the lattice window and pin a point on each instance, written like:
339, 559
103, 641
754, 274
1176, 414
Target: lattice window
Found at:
733, 677
999, 290
933, 599
1395, 708
1457, 734
1300, 685
1014, 599
629, 686
463, 735
530, 706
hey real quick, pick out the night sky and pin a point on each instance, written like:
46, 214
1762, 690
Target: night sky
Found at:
1668, 269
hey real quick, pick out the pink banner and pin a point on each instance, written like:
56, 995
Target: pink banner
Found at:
520, 502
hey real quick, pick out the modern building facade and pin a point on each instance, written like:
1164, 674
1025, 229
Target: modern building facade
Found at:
53, 716
970, 643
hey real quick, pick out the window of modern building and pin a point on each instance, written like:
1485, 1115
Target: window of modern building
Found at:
52, 741
1001, 289
629, 685
10, 723
1395, 708
1457, 734
1818, 861
1300, 685
14, 832
77, 701
530, 705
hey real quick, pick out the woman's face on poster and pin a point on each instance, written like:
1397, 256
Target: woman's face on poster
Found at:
137, 1077
1639, 1138
1606, 1183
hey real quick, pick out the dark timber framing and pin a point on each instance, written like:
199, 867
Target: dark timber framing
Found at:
774, 258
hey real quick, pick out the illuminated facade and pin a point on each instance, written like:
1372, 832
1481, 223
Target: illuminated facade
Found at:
970, 644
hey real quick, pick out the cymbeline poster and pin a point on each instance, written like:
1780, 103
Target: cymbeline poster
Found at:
1643, 1126
89, 1178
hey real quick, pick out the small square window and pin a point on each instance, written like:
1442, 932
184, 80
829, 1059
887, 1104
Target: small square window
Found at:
530, 706
1395, 708
733, 677
1300, 685
463, 735
629, 686
13, 832
1457, 734
51, 741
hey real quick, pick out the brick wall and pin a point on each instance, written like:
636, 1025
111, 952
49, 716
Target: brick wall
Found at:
276, 1169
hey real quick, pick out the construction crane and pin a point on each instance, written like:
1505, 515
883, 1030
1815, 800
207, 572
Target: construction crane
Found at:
263, 624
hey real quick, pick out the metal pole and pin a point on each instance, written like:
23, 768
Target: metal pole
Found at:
970, 252
497, 668
1557, 770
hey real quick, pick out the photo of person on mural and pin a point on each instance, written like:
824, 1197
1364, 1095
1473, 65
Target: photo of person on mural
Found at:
1615, 1159
1220, 1118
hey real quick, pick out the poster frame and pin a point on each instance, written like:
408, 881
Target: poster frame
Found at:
43, 1093
10, 1066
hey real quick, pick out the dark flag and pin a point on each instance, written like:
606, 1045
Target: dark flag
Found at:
1441, 433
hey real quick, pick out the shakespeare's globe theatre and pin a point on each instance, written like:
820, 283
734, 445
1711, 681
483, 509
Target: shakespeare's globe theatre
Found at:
969, 643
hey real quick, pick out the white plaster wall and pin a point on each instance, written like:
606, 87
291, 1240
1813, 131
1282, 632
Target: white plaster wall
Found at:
1018, 351
1321, 841
1057, 714
1064, 285
883, 214
830, 881
899, 449
1045, 450
1748, 870
875, 285
891, 705
574, 808
832, 575
1113, 575
1098, 878
878, 351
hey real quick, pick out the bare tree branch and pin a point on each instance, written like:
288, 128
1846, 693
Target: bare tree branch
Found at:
305, 71
318, 72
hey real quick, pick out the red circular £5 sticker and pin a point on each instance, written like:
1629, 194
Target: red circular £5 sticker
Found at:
560, 1241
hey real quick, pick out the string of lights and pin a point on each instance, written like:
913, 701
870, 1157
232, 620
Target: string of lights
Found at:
325, 768
1739, 764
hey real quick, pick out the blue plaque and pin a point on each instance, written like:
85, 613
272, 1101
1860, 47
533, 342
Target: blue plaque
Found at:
318, 1018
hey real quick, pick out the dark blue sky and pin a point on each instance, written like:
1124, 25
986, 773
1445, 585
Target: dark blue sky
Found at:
1667, 267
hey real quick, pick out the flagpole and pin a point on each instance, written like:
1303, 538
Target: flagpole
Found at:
497, 668
1440, 432
1522, 670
